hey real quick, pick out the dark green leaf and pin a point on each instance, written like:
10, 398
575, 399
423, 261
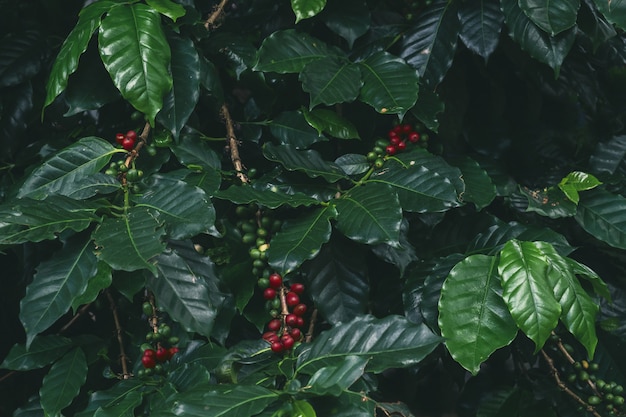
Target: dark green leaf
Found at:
479, 189
225, 401
349, 19
136, 54
55, 285
63, 382
370, 214
98, 183
121, 406
63, 172
391, 342
42, 351
550, 202
389, 85
291, 128
427, 109
614, 11
209, 181
332, 380
103, 399
330, 81
192, 150
551, 16
74, 46
491, 241
330, 122
599, 286
603, 215
210, 79
101, 280
21, 57
129, 242
429, 46
473, 318
526, 290
353, 163
305, 9
481, 23
289, 51
607, 156
167, 8
401, 255
550, 50
594, 25
310, 162
269, 197
300, 239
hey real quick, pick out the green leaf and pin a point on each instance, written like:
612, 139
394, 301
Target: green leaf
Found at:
136, 54
209, 181
330, 122
550, 202
21, 56
289, 51
42, 351
305, 9
479, 189
192, 150
310, 162
269, 197
291, 128
300, 239
390, 86
550, 50
73, 47
370, 214
183, 288
603, 215
614, 11
330, 81
427, 109
430, 45
101, 280
349, 19
167, 8
103, 399
225, 401
56, 284
599, 286
390, 342
553, 17
28, 220
594, 25
353, 163
129, 242
63, 382
481, 23
186, 210
577, 181
526, 290
182, 98
608, 156
332, 380
578, 309
64, 171
121, 406
98, 183
473, 318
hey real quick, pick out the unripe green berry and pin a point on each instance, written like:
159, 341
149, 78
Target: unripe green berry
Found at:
378, 164
173, 340
594, 400
583, 376
147, 308
371, 156
263, 283
248, 238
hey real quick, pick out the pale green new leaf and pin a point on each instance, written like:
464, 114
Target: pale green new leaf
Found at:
526, 290
577, 181
305, 9
473, 318
63, 382
603, 215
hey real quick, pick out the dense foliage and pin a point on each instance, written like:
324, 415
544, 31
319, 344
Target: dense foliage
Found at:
312, 208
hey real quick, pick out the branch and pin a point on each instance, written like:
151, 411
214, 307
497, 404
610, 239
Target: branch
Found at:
217, 12
232, 144
120, 341
143, 140
309, 333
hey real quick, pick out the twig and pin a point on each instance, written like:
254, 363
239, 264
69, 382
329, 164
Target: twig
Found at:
76, 316
571, 360
565, 388
309, 333
232, 144
7, 376
217, 12
120, 341
143, 140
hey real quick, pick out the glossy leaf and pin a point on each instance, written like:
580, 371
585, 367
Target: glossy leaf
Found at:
182, 98
577, 181
269, 197
136, 54
98, 183
594, 25
42, 351
550, 50
63, 382
614, 11
100, 281
349, 19
578, 309
479, 189
130, 242
289, 51
552, 17
332, 380
310, 162
390, 342
21, 57
64, 170
185, 210
473, 318
353, 163
429, 46
55, 285
291, 128
607, 156
331, 123
599, 286
603, 215
550, 202
73, 47
390, 86
401, 255
370, 214
225, 401
191, 150
167, 8
305, 9
110, 397
481, 24
121, 406
526, 290
330, 81
301, 239
428, 108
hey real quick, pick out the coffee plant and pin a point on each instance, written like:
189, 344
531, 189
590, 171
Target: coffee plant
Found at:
312, 208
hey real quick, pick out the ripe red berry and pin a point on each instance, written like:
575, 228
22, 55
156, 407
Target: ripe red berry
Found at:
269, 293
270, 336
393, 134
406, 128
172, 351
414, 137
131, 134
300, 322
297, 287
292, 299
148, 362
151, 353
397, 129
275, 281
287, 341
274, 325
277, 347
291, 320
162, 354
296, 333
128, 143
299, 310
391, 150
395, 141
401, 146
119, 137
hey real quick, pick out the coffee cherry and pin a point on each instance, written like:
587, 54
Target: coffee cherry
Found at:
274, 325
269, 293
148, 362
378, 164
401, 146
287, 341
277, 347
152, 150
132, 135
147, 308
173, 340
300, 322
275, 303
391, 150
119, 138
248, 238
395, 140
292, 299
291, 320
297, 288
270, 336
371, 156
150, 353
299, 310
296, 333
263, 283
396, 129
128, 144
111, 172
162, 354
172, 351
132, 175
406, 128
392, 134
275, 281
414, 137
594, 400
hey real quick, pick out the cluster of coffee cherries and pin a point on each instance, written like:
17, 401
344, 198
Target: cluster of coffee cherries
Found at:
126, 140
116, 168
607, 394
256, 229
400, 136
159, 348
284, 306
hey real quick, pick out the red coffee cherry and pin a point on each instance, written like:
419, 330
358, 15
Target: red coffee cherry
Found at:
274, 325
391, 150
300, 322
119, 137
128, 144
296, 333
162, 354
414, 137
299, 310
401, 146
292, 299
275, 280
287, 341
297, 287
291, 320
148, 362
277, 347
132, 135
269, 293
